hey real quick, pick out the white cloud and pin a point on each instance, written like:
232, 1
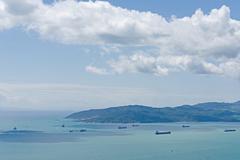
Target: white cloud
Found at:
95, 70
201, 43
138, 63
162, 65
23, 7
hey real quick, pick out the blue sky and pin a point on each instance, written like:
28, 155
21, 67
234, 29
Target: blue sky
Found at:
44, 69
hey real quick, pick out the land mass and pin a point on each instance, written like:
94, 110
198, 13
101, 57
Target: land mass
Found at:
202, 112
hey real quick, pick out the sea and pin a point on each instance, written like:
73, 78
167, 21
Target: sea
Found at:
49, 136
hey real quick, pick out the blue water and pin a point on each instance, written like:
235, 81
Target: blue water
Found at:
42, 137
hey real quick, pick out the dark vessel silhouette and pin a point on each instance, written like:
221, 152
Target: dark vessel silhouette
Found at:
185, 126
230, 130
81, 130
162, 132
122, 127
135, 125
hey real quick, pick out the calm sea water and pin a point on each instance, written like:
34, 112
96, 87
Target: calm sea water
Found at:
41, 137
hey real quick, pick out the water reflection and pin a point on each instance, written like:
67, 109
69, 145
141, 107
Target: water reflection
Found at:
28, 136
31, 136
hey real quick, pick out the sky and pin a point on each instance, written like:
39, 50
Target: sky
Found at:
76, 55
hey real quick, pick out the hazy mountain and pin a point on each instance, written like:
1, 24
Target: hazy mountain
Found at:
202, 112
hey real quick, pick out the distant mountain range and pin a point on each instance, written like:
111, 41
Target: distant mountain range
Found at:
203, 112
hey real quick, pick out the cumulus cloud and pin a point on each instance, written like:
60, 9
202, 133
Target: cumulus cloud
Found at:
163, 65
22, 7
201, 43
138, 63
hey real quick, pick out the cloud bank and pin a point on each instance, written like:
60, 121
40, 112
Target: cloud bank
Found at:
71, 96
201, 43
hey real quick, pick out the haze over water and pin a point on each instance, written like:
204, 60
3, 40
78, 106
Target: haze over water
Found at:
43, 138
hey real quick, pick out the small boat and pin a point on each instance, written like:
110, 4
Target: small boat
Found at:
230, 130
81, 130
135, 125
162, 132
122, 127
185, 126
15, 128
63, 125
